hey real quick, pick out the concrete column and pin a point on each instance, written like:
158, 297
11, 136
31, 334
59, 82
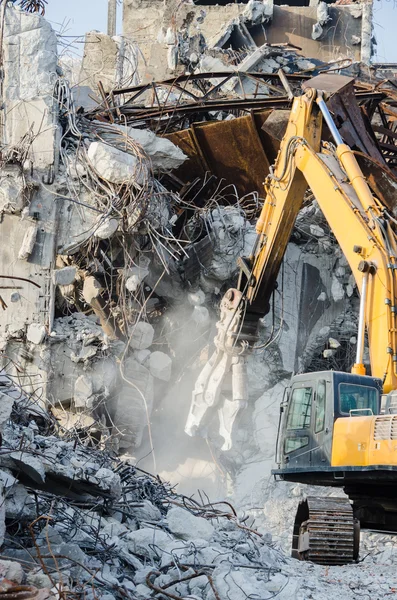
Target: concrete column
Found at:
366, 33
112, 15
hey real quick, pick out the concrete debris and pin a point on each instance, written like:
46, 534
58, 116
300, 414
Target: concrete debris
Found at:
106, 228
126, 198
258, 12
188, 527
28, 242
137, 275
112, 164
65, 276
164, 155
143, 335
160, 366
36, 333
12, 571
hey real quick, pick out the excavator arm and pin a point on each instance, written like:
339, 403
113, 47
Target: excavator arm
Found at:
364, 230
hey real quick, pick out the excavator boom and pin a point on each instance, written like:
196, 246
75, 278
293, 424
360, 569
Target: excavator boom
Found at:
364, 230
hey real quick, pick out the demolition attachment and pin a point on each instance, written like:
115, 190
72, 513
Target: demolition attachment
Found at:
222, 384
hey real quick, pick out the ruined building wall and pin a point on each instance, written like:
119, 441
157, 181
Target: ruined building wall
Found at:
341, 36
29, 213
324, 32
155, 27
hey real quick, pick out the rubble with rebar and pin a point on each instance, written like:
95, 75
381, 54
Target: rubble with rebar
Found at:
124, 210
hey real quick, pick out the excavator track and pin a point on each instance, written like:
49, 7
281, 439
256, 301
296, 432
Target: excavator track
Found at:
326, 532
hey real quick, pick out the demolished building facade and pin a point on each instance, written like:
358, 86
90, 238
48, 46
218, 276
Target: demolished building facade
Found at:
125, 205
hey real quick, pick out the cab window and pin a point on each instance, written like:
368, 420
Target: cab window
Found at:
300, 408
294, 443
319, 420
352, 397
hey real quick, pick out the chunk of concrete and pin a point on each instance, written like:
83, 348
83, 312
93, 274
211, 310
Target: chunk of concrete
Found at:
12, 189
83, 392
164, 155
160, 366
113, 164
106, 228
31, 56
186, 526
28, 242
142, 336
65, 276
328, 353
30, 465
17, 502
323, 15
6, 405
316, 230
258, 12
333, 343
137, 275
91, 289
147, 542
337, 290
147, 512
109, 481
142, 356
12, 571
36, 333
30, 53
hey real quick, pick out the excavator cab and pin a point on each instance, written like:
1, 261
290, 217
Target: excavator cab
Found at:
312, 404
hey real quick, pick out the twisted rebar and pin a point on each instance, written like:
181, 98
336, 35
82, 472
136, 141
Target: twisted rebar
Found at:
33, 6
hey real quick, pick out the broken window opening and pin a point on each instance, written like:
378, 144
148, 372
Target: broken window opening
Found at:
258, 34
237, 40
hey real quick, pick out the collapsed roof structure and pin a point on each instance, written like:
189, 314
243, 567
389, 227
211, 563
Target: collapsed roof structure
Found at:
129, 188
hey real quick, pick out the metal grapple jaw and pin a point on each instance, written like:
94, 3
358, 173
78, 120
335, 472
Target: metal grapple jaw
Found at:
222, 385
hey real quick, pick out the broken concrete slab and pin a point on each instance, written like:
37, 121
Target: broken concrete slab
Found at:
186, 526
113, 164
28, 242
65, 276
164, 155
147, 542
36, 333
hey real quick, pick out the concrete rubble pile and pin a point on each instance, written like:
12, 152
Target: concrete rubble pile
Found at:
76, 521
125, 204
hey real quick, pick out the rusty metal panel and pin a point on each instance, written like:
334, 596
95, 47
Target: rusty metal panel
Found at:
352, 123
194, 167
232, 150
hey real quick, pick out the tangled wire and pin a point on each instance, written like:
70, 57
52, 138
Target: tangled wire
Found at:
33, 6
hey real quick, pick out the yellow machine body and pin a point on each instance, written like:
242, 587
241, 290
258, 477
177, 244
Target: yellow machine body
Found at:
365, 441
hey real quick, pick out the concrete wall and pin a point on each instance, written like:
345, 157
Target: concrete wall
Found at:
155, 26
294, 25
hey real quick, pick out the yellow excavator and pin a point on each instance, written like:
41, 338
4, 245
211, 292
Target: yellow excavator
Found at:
332, 429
